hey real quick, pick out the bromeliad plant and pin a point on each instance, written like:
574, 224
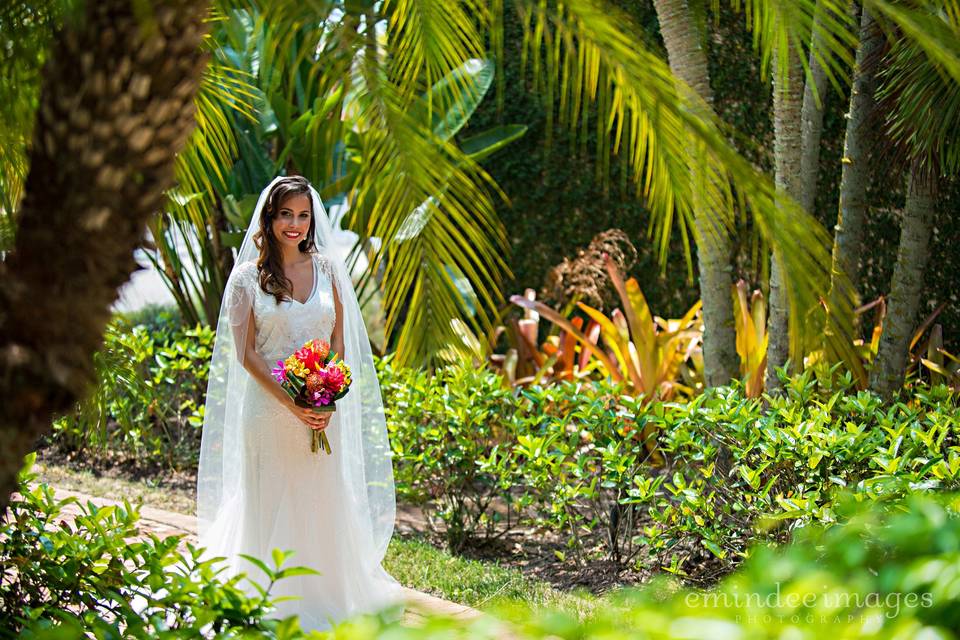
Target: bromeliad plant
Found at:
559, 357
524, 362
751, 321
657, 358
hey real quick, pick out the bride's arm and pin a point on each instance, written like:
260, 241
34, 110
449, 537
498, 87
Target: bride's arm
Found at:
254, 363
336, 339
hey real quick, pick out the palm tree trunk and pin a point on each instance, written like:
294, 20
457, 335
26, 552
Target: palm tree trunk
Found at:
116, 106
855, 175
688, 62
906, 287
787, 149
814, 97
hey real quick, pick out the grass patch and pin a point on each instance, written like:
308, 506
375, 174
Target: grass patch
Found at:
421, 566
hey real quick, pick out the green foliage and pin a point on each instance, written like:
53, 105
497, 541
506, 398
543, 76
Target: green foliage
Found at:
104, 575
451, 432
884, 574
28, 30
366, 129
149, 396
573, 457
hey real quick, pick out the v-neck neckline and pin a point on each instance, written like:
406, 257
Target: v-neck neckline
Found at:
313, 289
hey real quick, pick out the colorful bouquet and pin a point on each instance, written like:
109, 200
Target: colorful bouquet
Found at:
314, 380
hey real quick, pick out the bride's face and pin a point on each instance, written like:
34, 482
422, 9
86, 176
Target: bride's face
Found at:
292, 222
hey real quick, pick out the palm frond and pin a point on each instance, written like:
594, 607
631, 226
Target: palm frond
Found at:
201, 172
27, 30
406, 169
781, 28
933, 26
921, 106
428, 40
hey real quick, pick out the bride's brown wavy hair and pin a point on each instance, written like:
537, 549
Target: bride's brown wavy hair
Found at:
270, 262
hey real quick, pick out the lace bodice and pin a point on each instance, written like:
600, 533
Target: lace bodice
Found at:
282, 328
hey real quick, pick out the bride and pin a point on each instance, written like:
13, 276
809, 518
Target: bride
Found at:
259, 485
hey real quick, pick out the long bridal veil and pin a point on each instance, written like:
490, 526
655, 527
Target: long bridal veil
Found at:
367, 464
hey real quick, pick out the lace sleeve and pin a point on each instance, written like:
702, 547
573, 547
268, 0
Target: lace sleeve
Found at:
326, 267
238, 302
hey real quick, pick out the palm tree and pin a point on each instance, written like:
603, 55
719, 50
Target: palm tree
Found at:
903, 303
787, 152
115, 107
811, 119
855, 174
824, 44
688, 62
921, 109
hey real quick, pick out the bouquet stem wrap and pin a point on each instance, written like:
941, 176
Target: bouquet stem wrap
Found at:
318, 439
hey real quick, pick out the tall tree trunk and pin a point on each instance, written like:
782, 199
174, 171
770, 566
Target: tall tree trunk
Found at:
787, 149
855, 175
814, 99
906, 287
688, 62
116, 106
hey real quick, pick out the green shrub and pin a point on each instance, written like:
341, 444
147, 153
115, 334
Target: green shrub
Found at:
885, 573
156, 318
103, 575
149, 396
451, 434
730, 471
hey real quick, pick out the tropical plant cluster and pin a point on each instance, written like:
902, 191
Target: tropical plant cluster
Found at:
556, 207
664, 357
668, 485
668, 482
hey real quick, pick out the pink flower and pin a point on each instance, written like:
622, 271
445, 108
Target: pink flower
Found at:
334, 379
279, 372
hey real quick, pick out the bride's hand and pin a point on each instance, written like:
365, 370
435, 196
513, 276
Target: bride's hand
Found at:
309, 417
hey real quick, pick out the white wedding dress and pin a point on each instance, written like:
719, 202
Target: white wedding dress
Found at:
289, 497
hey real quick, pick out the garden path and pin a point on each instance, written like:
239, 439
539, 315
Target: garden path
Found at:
165, 523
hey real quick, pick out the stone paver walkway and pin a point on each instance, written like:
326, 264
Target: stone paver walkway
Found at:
166, 523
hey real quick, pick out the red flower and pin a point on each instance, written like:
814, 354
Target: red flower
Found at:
309, 358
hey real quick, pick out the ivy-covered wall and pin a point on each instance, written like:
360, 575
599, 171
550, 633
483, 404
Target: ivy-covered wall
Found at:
557, 205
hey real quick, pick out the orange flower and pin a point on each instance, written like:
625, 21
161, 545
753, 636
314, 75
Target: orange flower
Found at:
322, 349
314, 382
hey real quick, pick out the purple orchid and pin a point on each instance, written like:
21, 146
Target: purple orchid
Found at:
279, 372
322, 398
